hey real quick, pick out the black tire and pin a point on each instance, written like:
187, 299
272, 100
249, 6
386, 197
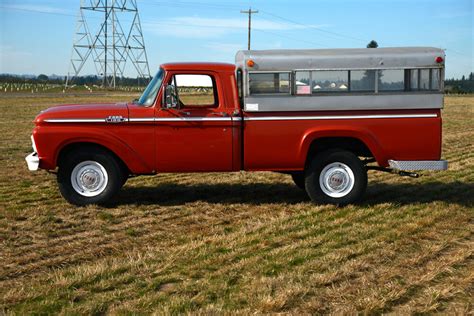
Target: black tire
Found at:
90, 157
299, 179
337, 163
124, 180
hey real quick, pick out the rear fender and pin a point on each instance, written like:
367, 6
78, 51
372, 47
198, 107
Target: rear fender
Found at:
343, 131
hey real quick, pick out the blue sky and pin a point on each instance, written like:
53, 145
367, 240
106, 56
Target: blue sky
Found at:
36, 36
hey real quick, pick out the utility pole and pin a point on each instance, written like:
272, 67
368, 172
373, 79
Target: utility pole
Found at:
249, 12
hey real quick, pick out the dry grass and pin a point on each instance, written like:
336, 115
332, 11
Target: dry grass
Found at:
242, 242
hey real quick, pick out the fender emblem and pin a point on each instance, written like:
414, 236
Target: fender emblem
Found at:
114, 119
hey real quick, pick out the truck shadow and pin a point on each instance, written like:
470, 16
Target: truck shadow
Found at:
274, 193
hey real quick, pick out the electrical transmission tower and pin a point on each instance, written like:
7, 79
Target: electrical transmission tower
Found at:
111, 46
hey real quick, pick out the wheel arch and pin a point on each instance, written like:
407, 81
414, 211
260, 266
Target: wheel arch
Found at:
361, 143
84, 145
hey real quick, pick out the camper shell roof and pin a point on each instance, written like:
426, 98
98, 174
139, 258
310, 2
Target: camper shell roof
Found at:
353, 58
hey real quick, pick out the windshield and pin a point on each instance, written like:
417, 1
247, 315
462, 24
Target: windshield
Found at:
149, 95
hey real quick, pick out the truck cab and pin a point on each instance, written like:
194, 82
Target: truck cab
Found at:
319, 115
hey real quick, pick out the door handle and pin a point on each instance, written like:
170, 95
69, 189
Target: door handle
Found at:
184, 113
224, 114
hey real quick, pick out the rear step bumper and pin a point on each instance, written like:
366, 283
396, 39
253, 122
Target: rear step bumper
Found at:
418, 164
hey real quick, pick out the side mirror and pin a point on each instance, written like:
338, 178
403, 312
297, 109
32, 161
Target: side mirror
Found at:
170, 98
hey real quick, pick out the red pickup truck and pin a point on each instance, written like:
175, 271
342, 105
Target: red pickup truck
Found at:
320, 115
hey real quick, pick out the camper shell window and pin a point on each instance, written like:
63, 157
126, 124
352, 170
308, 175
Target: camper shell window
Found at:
315, 82
425, 79
269, 83
302, 82
362, 80
391, 80
330, 81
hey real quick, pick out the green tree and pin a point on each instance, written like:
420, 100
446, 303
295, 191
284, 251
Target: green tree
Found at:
373, 44
42, 78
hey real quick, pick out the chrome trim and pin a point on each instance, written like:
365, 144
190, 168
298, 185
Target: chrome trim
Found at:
260, 118
142, 119
32, 160
418, 164
115, 119
89, 178
336, 180
191, 119
179, 119
338, 117
381, 67
33, 144
74, 120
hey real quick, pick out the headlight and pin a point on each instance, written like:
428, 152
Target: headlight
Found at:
33, 144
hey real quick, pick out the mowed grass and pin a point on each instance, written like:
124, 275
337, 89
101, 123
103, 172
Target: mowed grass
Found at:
240, 242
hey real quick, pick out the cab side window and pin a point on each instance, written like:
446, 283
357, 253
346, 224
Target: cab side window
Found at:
195, 90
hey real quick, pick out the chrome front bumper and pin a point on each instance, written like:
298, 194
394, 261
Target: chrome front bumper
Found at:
418, 164
32, 161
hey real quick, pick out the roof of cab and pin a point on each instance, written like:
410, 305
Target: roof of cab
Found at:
199, 66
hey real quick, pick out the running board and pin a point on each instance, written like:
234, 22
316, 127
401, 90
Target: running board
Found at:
418, 164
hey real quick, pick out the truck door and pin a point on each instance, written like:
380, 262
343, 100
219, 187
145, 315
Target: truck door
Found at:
197, 136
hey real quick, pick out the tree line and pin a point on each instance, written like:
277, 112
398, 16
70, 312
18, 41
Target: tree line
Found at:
82, 80
463, 85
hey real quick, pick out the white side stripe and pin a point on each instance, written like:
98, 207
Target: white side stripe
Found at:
180, 119
191, 119
142, 119
75, 120
251, 118
337, 117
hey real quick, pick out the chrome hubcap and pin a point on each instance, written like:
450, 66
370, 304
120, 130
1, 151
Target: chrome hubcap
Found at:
336, 180
89, 178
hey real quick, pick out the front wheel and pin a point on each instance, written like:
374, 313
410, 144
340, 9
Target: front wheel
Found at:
336, 177
298, 179
90, 176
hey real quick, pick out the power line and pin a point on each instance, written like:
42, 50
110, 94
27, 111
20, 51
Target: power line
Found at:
239, 28
195, 4
36, 11
291, 38
314, 28
224, 7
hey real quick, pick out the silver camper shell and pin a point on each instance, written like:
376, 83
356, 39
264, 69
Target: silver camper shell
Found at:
408, 59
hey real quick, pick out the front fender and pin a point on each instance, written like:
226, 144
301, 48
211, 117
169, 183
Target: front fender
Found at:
52, 140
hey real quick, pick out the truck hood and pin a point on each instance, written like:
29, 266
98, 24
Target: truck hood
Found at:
84, 112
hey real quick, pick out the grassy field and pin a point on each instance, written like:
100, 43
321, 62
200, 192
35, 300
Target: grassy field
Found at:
241, 242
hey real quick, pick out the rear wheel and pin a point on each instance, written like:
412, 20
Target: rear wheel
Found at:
336, 177
90, 176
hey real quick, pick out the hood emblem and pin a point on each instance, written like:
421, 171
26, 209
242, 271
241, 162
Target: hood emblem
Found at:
115, 119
